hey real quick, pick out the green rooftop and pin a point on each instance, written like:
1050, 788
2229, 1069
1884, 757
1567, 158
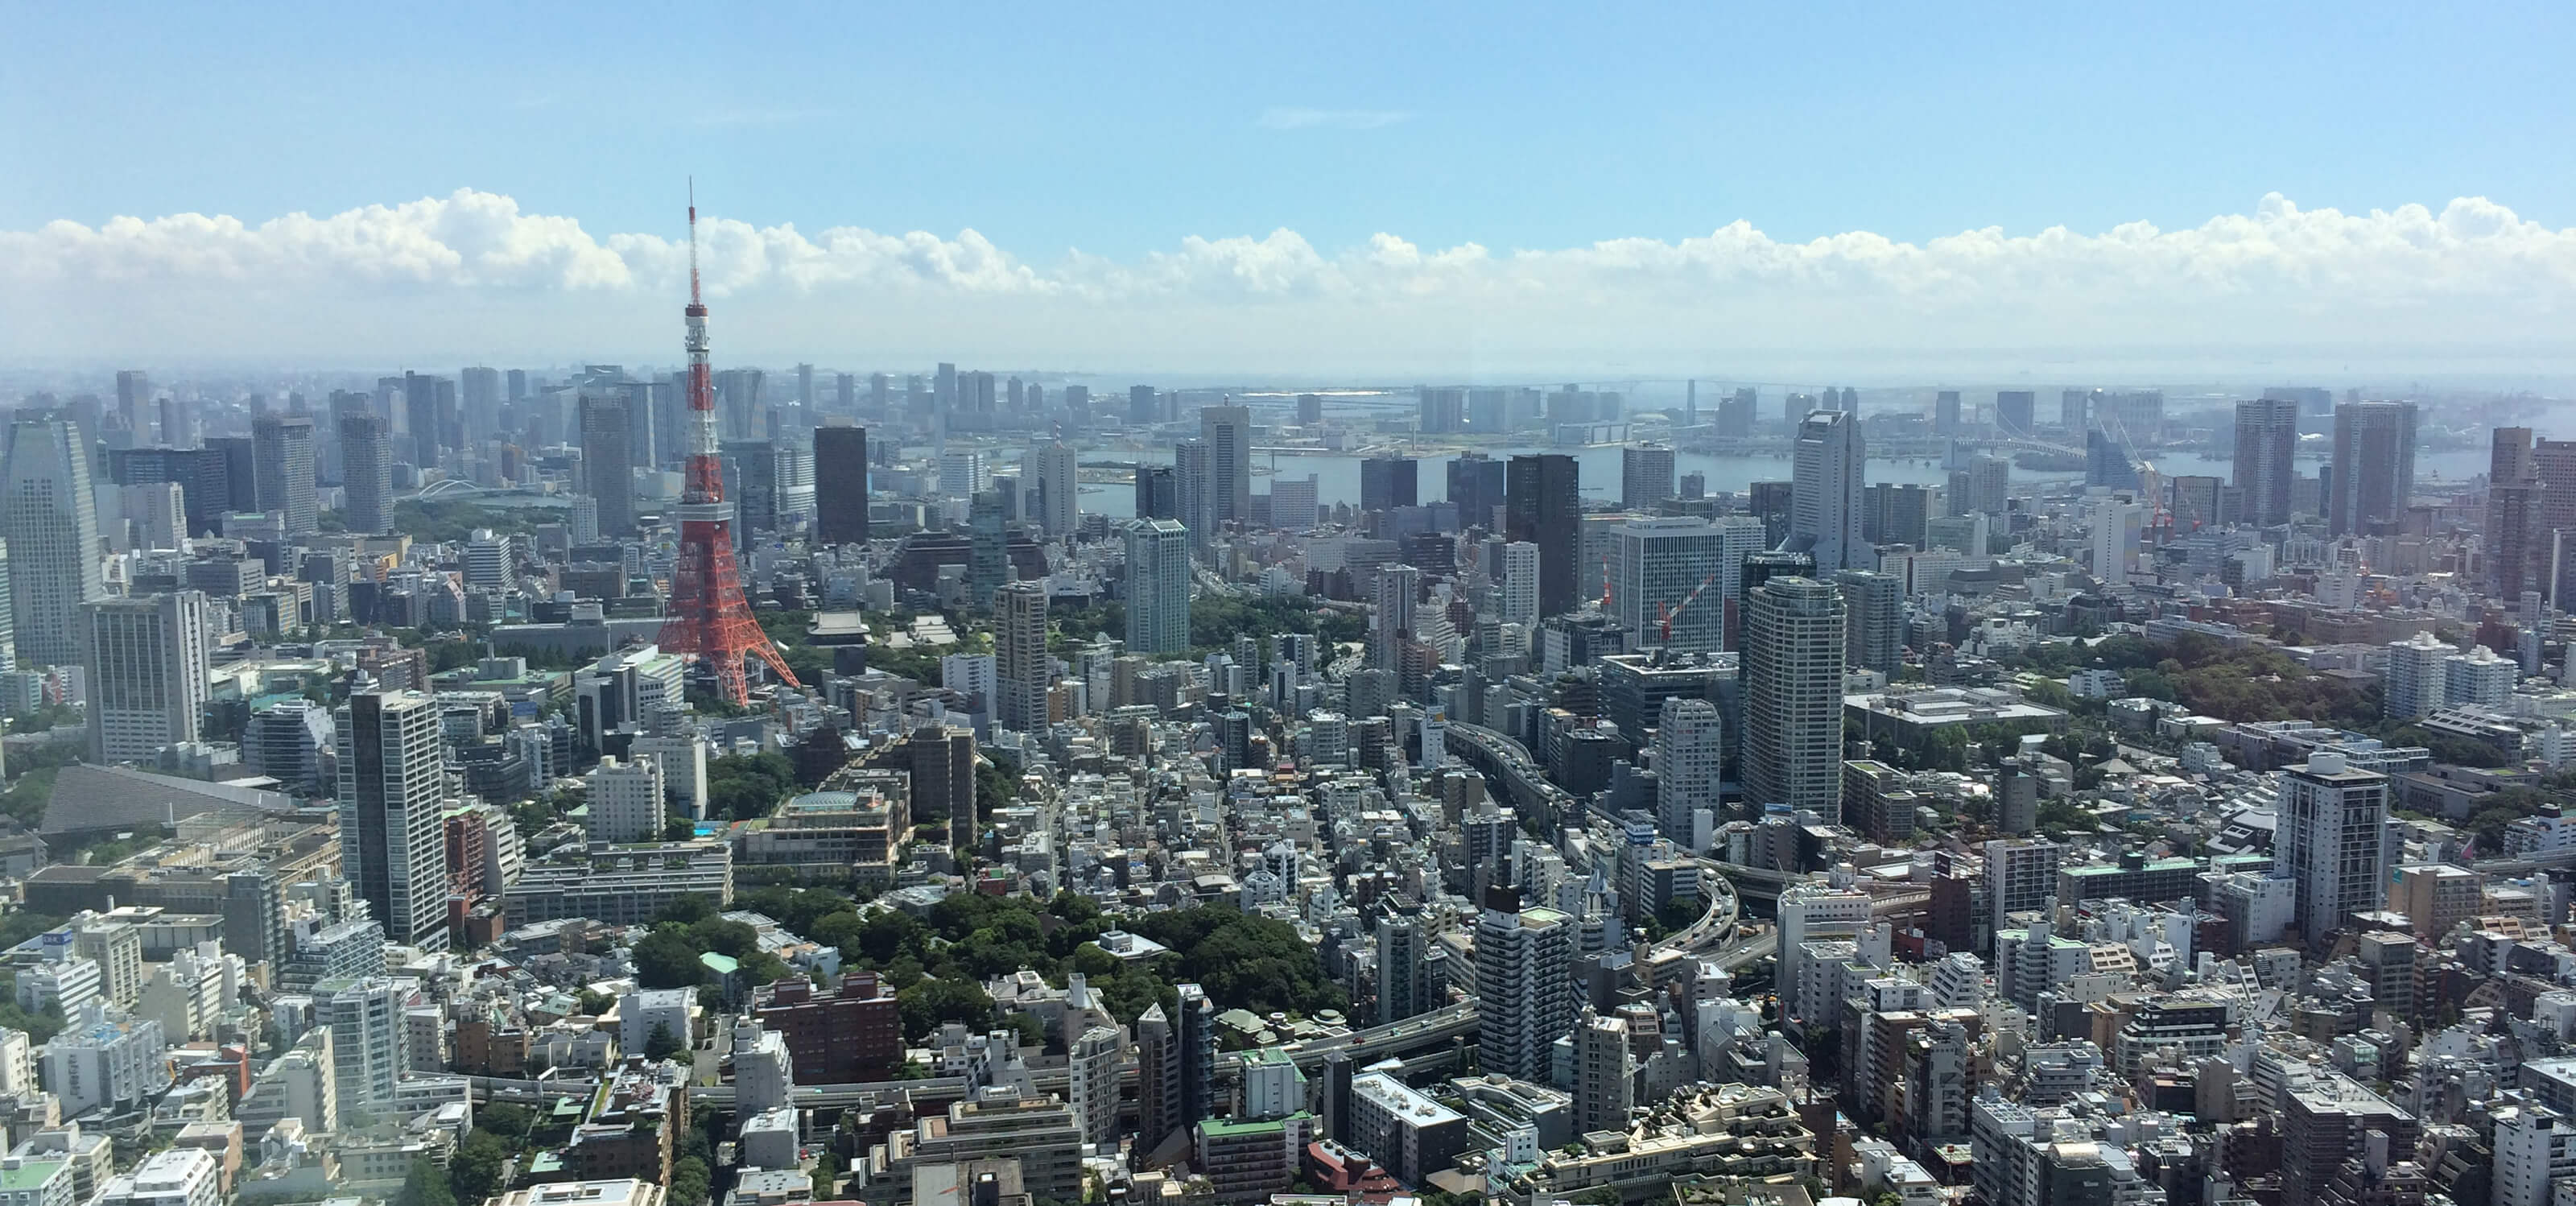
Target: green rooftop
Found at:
31, 1174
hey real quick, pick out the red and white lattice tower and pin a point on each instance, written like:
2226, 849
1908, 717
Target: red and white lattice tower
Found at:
709, 617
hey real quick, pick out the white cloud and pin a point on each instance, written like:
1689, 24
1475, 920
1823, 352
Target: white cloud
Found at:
1291, 118
472, 270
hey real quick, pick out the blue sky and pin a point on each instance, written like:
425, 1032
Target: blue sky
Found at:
1121, 130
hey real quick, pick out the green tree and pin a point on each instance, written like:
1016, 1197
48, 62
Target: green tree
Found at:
934, 1000
662, 1044
425, 1185
665, 959
480, 1168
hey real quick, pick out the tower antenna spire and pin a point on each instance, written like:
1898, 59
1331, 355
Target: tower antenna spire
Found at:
693, 240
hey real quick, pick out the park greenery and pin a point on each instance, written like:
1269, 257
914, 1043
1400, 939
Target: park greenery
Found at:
745, 787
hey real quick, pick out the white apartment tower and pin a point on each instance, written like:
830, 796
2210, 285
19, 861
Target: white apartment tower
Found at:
627, 801
1793, 695
2417, 677
1158, 587
1686, 766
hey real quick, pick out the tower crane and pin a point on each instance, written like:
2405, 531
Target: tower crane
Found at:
1665, 616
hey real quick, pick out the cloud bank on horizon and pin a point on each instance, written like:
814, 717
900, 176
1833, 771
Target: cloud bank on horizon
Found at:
473, 272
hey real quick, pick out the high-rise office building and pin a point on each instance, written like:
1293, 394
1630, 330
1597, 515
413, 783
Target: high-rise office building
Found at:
1793, 695
2517, 502
2267, 438
1525, 992
1053, 487
1228, 433
134, 399
426, 402
2334, 841
1983, 487
2013, 411
1827, 490
841, 485
479, 394
1543, 505
1391, 616
391, 843
1679, 573
1388, 482
606, 457
1645, 475
50, 520
1142, 406
2372, 478
1020, 656
1158, 492
1476, 486
1686, 758
282, 447
1896, 514
1735, 413
1293, 503
366, 471
1194, 490
1158, 587
2107, 462
148, 663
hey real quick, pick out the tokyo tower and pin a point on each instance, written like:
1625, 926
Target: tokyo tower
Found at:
708, 615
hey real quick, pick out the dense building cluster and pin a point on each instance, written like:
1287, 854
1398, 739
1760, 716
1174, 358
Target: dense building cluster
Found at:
1534, 794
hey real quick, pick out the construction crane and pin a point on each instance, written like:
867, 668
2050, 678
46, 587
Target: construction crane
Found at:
1666, 616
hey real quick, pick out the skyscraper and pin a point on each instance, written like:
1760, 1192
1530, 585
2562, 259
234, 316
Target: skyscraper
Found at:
282, 447
1194, 490
2013, 409
425, 400
366, 470
148, 661
2107, 461
1686, 766
1793, 695
391, 843
2267, 437
1543, 505
1826, 493
1945, 412
1683, 569
480, 391
1142, 408
2334, 841
1476, 486
133, 397
1387, 482
841, 485
1158, 587
1052, 481
1645, 475
988, 561
1516, 577
1020, 656
1525, 995
51, 525
2118, 527
606, 460
1158, 492
1735, 413
2373, 475
1228, 432
1391, 617
2516, 531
